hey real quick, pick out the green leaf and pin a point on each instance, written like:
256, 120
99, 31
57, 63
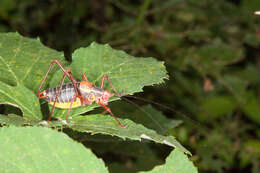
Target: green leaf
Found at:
211, 58
24, 60
100, 124
21, 97
146, 115
34, 149
11, 120
136, 152
16, 120
235, 85
141, 153
250, 5
23, 64
216, 106
250, 74
176, 162
252, 108
253, 146
126, 72
251, 39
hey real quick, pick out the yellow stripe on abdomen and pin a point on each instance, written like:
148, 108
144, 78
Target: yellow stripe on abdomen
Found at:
66, 105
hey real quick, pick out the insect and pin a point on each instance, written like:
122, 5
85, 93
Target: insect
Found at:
75, 94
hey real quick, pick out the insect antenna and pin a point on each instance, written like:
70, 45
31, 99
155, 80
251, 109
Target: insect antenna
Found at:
185, 116
148, 114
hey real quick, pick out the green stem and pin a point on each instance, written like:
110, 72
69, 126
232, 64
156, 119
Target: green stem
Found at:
142, 12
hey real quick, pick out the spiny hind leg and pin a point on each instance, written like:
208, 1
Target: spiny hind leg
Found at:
66, 73
110, 112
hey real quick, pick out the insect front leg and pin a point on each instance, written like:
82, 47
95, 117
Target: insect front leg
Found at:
105, 77
84, 77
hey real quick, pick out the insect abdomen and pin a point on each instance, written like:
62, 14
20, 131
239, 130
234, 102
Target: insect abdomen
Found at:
66, 95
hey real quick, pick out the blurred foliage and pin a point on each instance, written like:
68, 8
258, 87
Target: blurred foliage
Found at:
211, 50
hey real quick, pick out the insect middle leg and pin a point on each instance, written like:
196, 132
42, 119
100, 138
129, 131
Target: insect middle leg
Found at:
108, 109
57, 94
105, 77
71, 102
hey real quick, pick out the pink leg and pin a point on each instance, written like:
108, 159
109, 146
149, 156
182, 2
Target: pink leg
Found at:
121, 125
68, 112
105, 77
57, 95
84, 77
66, 72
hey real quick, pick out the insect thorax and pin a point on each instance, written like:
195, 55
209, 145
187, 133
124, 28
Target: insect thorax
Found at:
91, 93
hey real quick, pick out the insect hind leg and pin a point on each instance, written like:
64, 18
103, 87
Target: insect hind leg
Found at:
71, 102
66, 73
108, 109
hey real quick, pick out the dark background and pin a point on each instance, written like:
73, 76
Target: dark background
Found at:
211, 51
